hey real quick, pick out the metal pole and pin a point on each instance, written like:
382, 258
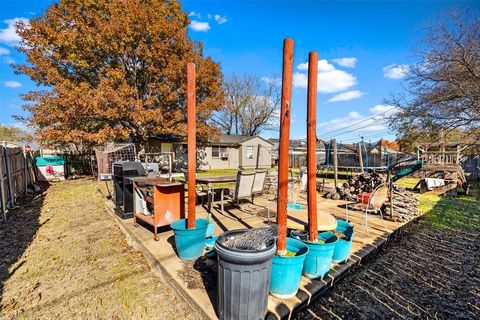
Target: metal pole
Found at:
170, 166
284, 146
312, 146
192, 150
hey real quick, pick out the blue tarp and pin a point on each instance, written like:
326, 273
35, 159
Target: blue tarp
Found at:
49, 161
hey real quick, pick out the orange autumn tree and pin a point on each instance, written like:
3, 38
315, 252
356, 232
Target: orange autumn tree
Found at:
113, 70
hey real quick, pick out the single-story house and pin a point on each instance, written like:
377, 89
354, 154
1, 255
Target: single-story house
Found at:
227, 152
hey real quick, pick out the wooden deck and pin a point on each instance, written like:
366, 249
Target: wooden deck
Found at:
163, 259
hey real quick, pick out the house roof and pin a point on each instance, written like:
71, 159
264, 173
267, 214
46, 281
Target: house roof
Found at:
230, 139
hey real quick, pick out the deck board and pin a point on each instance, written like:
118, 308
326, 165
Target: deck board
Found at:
162, 256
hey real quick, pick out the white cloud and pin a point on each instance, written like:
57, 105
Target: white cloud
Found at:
199, 26
9, 60
4, 52
271, 80
9, 35
384, 109
323, 66
195, 14
12, 84
220, 19
346, 96
372, 122
329, 80
395, 71
346, 62
352, 117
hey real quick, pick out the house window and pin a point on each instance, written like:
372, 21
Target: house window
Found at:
249, 152
217, 151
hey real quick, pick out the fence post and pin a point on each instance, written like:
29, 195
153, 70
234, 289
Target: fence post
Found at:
2, 186
360, 157
11, 202
25, 169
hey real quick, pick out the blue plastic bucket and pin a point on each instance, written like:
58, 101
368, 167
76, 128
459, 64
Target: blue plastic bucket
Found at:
344, 246
319, 258
189, 242
210, 230
287, 271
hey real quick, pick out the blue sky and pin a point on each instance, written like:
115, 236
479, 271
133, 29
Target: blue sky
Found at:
364, 50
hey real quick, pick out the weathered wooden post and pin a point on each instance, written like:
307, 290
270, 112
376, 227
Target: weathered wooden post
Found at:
335, 163
285, 114
11, 196
380, 148
2, 191
312, 146
192, 148
360, 156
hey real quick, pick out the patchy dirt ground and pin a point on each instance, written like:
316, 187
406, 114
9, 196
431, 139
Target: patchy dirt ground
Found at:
63, 257
431, 271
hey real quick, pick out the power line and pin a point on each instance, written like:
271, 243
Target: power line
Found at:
372, 134
355, 129
364, 120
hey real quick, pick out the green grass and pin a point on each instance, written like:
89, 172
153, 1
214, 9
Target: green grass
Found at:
446, 212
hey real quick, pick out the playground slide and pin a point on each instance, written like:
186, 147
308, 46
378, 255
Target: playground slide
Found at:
404, 173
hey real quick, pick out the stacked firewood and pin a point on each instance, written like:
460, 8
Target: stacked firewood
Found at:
365, 182
405, 205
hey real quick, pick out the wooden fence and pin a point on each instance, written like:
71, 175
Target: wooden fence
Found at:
471, 166
16, 174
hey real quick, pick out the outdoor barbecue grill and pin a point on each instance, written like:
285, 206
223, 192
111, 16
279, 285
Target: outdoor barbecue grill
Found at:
123, 172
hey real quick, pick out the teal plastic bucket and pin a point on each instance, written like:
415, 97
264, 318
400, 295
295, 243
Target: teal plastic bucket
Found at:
319, 258
210, 230
344, 246
189, 242
287, 271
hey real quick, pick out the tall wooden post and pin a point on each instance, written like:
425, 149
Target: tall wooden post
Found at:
360, 156
335, 163
312, 146
285, 115
380, 148
192, 147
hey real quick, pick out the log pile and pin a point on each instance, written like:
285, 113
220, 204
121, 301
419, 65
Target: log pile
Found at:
365, 182
405, 205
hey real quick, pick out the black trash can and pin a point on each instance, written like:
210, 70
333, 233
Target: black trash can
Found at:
243, 279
